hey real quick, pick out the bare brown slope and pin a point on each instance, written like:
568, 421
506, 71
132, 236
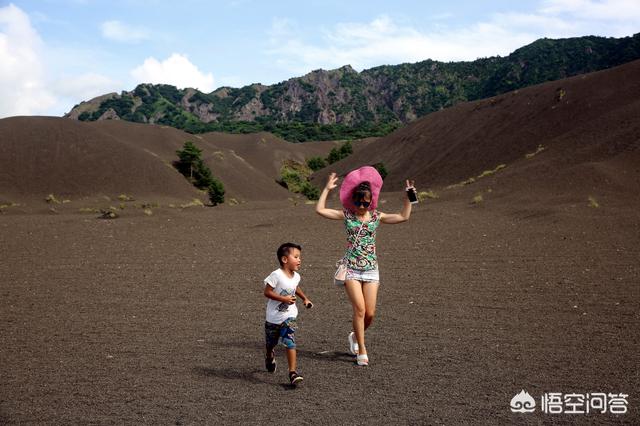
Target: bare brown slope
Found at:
43, 155
250, 164
588, 126
247, 164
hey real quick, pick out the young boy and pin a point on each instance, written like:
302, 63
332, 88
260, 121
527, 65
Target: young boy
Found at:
281, 288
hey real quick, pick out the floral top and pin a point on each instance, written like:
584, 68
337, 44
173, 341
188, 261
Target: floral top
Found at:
362, 256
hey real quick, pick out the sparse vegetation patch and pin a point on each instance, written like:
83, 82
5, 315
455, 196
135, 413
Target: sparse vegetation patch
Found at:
337, 154
381, 169
423, 195
51, 199
295, 177
107, 214
536, 152
480, 176
193, 203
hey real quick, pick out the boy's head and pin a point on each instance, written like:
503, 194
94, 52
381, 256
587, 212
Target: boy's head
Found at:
289, 256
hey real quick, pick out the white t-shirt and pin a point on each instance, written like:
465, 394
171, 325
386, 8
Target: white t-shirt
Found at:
278, 312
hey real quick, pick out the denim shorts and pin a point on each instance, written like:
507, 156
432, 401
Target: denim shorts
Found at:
367, 276
285, 333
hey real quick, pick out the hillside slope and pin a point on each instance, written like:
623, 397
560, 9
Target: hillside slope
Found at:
561, 142
74, 160
585, 130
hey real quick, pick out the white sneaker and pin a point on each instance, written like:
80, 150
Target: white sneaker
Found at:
353, 344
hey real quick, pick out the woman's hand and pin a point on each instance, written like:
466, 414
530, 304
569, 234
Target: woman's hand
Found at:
332, 182
404, 214
321, 206
410, 184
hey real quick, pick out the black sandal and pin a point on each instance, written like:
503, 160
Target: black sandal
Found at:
294, 378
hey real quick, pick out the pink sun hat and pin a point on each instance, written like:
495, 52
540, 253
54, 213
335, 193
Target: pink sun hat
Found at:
355, 178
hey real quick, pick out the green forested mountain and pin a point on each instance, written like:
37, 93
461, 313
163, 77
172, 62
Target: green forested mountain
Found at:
345, 104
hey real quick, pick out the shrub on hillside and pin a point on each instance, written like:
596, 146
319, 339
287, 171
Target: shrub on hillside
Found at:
316, 163
295, 177
191, 166
381, 169
337, 154
216, 192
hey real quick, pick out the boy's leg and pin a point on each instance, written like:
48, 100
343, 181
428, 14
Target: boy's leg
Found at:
294, 377
272, 334
270, 360
288, 338
291, 359
354, 291
370, 294
270, 351
288, 335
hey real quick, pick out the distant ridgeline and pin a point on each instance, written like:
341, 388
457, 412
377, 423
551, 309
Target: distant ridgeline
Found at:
345, 104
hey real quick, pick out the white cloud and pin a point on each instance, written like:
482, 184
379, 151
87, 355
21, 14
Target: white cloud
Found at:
382, 41
22, 88
618, 10
617, 18
118, 31
176, 70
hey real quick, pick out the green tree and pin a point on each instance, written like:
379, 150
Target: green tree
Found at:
203, 177
334, 155
190, 155
216, 192
310, 191
381, 169
316, 163
191, 166
346, 149
337, 154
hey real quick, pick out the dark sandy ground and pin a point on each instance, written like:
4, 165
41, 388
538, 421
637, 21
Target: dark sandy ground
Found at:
158, 320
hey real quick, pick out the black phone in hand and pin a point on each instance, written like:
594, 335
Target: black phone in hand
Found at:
411, 194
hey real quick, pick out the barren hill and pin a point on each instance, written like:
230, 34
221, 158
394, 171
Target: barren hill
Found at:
562, 139
73, 160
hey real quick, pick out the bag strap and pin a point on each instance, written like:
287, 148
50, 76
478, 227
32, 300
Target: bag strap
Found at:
355, 242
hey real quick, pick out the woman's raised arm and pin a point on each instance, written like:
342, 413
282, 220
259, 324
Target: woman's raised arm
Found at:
404, 214
321, 206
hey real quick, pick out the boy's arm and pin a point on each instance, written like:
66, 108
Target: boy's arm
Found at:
270, 294
305, 300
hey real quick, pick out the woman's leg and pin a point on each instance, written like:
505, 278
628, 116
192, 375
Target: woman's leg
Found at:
356, 297
370, 294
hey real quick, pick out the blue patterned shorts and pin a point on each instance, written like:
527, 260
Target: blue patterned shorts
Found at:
284, 333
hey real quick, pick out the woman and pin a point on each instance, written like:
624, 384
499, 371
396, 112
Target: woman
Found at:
359, 195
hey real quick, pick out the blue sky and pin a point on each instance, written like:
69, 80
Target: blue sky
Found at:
56, 53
